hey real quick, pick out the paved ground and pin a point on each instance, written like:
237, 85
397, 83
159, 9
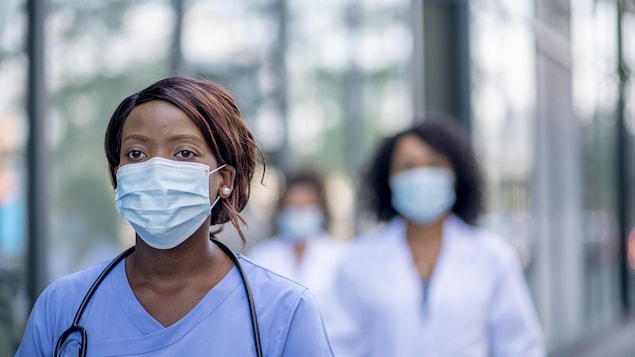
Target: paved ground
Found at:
617, 341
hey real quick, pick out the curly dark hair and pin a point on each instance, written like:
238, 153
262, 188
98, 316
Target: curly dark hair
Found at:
447, 137
217, 116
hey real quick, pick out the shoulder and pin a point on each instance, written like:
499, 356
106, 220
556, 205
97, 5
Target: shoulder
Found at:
378, 241
272, 253
328, 245
367, 252
54, 310
268, 283
274, 293
286, 310
72, 287
274, 242
490, 245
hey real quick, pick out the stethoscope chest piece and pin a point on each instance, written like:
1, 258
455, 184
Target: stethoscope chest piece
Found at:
64, 338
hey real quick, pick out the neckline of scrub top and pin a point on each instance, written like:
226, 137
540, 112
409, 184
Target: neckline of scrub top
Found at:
149, 325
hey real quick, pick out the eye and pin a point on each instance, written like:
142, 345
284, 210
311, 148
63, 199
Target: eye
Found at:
135, 154
404, 165
185, 154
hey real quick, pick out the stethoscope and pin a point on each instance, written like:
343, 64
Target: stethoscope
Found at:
76, 327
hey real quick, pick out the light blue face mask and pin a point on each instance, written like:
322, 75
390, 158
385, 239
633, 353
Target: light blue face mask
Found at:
297, 224
165, 201
423, 194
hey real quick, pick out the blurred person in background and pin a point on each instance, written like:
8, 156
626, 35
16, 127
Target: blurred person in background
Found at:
181, 159
12, 212
12, 239
301, 248
429, 282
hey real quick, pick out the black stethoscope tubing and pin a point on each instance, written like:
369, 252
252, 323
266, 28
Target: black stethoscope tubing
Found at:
76, 327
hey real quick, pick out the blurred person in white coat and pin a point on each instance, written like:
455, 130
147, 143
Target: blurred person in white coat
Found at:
429, 282
301, 248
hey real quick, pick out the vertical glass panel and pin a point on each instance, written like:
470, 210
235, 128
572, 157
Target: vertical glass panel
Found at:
628, 48
594, 49
504, 87
503, 102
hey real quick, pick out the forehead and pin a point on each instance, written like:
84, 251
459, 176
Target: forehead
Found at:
411, 146
157, 118
301, 193
411, 151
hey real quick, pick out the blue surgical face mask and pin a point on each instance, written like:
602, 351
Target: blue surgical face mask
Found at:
423, 194
165, 201
297, 224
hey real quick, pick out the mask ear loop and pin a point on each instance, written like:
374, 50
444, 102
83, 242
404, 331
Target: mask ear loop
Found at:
217, 169
217, 196
214, 204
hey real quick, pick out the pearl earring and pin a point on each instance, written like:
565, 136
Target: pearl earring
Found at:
226, 190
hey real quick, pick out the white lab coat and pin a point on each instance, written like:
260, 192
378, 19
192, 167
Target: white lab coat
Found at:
317, 269
477, 304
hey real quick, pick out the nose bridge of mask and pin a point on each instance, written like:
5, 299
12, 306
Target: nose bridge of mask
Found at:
158, 181
139, 176
158, 163
160, 167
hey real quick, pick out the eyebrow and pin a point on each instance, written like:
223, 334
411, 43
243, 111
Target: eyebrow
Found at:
181, 137
173, 138
135, 137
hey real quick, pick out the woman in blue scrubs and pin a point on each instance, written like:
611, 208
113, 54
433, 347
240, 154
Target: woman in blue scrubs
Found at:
181, 160
430, 282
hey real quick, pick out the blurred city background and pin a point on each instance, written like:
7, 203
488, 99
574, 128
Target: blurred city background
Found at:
542, 85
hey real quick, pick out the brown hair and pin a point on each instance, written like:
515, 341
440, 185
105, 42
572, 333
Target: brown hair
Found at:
217, 116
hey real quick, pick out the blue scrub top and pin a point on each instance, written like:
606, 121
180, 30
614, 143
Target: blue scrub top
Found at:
220, 325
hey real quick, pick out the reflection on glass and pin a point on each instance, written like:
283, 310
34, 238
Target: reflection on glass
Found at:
503, 97
595, 99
